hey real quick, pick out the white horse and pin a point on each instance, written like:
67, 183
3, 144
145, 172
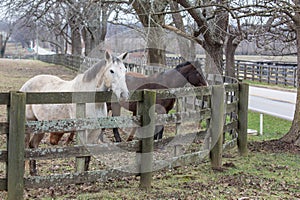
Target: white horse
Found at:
106, 75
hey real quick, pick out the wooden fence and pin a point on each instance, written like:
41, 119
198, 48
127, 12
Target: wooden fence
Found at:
223, 107
268, 72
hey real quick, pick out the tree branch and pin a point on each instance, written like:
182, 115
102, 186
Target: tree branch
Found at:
183, 34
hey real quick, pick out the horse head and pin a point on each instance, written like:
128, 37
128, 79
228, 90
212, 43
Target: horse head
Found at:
114, 75
192, 73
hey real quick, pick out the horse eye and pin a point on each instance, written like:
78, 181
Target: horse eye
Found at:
111, 71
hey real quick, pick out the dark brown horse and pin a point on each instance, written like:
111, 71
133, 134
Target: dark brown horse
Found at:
174, 78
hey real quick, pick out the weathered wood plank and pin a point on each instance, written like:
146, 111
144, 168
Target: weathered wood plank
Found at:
76, 178
183, 160
80, 151
103, 175
92, 97
70, 152
15, 146
4, 98
75, 97
147, 109
81, 162
243, 119
182, 92
94, 176
181, 117
3, 184
216, 125
69, 125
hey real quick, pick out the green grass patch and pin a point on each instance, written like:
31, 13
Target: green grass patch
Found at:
273, 127
257, 176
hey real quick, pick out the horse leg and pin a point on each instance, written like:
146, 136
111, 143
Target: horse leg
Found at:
160, 133
117, 135
34, 143
70, 138
159, 129
27, 139
131, 135
94, 136
116, 111
55, 138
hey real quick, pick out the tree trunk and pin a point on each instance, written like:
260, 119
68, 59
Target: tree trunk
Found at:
75, 37
155, 43
95, 34
230, 48
89, 40
186, 48
3, 44
156, 47
293, 136
214, 59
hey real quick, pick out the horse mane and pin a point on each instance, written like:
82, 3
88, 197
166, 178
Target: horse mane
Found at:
92, 72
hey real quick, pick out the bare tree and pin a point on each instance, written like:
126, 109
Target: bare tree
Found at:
289, 19
73, 21
186, 47
212, 20
147, 12
279, 23
8, 29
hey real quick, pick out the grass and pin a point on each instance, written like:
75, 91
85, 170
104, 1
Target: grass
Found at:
258, 176
273, 127
261, 175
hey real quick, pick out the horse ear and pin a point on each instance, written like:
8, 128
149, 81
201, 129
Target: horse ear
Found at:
107, 56
123, 56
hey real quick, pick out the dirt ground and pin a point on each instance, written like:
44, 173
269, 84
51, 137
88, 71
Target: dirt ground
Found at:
274, 146
13, 73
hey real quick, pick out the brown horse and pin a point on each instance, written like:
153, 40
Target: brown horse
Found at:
178, 77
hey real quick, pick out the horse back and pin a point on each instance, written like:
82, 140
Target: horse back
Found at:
43, 83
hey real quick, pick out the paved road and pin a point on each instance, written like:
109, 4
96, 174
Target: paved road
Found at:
273, 102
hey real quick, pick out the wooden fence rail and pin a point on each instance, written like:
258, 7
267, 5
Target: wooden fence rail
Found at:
17, 127
267, 72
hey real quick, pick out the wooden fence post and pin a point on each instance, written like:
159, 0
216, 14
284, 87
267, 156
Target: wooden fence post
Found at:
245, 72
16, 146
82, 163
179, 106
243, 119
146, 108
216, 125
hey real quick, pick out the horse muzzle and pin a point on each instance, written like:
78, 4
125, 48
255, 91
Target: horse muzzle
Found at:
124, 95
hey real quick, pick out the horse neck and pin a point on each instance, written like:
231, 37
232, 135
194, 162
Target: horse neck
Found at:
92, 85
